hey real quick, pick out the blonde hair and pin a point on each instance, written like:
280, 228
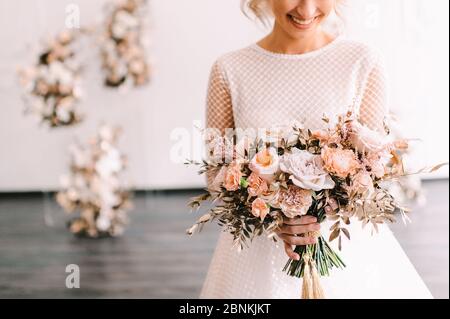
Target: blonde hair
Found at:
261, 11
258, 8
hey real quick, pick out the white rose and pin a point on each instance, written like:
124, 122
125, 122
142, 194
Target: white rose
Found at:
306, 170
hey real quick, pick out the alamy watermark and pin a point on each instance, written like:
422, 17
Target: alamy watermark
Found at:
73, 277
72, 20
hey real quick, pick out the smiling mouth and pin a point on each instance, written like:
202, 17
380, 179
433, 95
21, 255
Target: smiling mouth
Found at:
301, 23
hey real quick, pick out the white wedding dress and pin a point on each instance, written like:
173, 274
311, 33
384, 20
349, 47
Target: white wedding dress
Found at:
256, 88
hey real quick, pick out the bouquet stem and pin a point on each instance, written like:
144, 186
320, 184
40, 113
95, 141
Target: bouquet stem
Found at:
315, 261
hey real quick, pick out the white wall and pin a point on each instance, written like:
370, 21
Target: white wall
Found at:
186, 37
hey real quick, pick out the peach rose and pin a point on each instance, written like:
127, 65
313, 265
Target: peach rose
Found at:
340, 162
266, 163
256, 185
260, 208
294, 201
233, 177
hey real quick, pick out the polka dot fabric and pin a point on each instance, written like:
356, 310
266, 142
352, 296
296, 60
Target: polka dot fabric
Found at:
253, 88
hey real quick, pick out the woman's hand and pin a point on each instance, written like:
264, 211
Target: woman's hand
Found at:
292, 228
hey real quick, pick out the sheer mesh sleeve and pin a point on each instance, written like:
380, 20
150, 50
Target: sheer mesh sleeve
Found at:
219, 110
374, 104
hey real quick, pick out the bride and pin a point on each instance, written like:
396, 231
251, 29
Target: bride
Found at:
299, 72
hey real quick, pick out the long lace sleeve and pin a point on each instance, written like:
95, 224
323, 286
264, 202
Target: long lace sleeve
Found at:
219, 110
374, 104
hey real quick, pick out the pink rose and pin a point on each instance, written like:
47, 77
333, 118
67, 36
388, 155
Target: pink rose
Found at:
340, 162
256, 185
260, 208
233, 177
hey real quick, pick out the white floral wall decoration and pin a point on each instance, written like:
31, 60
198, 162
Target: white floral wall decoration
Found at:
52, 86
94, 189
123, 52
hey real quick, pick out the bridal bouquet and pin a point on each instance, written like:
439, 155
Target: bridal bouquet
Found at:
339, 173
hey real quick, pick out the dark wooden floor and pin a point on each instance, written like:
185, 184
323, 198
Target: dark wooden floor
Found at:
155, 259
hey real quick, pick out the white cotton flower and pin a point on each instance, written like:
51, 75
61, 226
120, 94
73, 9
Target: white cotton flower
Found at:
104, 190
306, 170
63, 113
109, 163
73, 194
103, 223
106, 194
118, 30
43, 72
137, 66
59, 73
107, 133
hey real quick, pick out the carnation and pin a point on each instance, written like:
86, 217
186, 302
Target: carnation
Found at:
294, 201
